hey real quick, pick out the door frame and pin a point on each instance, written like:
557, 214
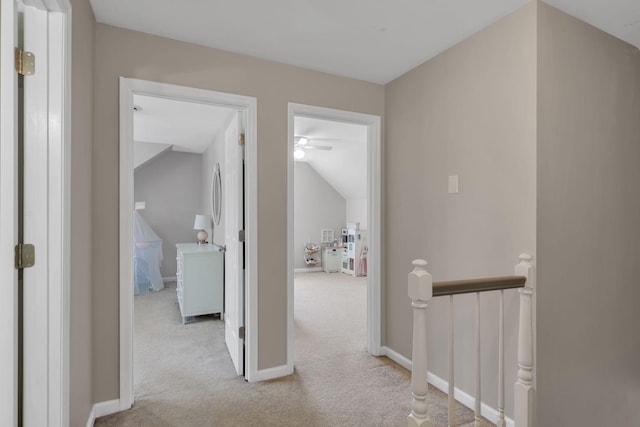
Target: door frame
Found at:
247, 104
55, 105
374, 213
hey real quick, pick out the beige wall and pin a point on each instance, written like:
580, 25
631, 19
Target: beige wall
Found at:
317, 206
588, 233
80, 386
127, 53
171, 187
470, 111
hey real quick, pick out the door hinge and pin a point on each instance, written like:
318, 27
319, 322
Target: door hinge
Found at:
241, 332
241, 236
241, 139
25, 62
25, 255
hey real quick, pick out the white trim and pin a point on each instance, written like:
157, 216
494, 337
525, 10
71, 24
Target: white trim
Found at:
307, 270
401, 360
169, 279
59, 210
271, 373
126, 245
108, 407
249, 106
56, 64
47, 203
102, 409
374, 186
461, 396
92, 417
8, 216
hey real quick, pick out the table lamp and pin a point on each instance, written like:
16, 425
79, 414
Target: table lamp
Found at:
202, 222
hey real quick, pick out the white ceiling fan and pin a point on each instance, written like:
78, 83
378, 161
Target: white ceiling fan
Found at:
301, 143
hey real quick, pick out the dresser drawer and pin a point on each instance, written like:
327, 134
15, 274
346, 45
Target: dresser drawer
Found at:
199, 279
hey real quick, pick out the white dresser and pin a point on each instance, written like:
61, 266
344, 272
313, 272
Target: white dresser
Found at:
200, 279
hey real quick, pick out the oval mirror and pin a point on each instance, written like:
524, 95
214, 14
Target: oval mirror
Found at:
216, 194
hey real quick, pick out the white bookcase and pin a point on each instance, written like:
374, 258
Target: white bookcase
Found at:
200, 279
356, 241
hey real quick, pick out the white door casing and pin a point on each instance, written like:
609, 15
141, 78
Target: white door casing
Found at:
46, 33
35, 279
234, 256
374, 238
8, 215
248, 106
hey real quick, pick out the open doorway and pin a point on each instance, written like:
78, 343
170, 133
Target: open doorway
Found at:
179, 249
183, 157
334, 232
330, 238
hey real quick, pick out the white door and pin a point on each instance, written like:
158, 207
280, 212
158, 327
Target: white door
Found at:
233, 184
42, 116
8, 217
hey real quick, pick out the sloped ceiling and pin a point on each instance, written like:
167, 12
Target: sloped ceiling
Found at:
375, 41
345, 166
161, 123
186, 126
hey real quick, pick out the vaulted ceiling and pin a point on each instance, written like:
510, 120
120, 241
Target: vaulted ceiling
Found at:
375, 41
369, 40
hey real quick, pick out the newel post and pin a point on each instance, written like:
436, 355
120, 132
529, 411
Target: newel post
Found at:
420, 292
524, 391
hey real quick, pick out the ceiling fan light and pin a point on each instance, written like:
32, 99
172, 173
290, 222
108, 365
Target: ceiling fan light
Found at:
298, 153
303, 140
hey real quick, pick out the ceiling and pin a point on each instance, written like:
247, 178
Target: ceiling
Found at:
161, 124
375, 41
186, 126
345, 166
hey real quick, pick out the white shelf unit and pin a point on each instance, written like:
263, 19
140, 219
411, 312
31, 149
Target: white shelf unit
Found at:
200, 279
356, 241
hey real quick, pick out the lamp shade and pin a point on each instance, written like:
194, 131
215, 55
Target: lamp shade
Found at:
202, 222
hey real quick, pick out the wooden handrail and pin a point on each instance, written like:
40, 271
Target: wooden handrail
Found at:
456, 287
421, 289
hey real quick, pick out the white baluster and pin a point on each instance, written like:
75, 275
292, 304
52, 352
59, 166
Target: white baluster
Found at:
420, 291
500, 422
478, 401
452, 401
524, 392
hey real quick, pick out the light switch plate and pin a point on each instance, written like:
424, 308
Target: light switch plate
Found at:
140, 205
453, 184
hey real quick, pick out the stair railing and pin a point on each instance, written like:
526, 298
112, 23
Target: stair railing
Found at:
421, 290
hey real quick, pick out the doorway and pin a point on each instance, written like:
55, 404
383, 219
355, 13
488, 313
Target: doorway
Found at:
373, 234
242, 288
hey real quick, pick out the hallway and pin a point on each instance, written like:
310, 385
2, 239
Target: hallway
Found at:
184, 376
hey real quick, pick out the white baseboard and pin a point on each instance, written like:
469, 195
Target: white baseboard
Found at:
92, 417
101, 409
271, 373
464, 398
405, 362
169, 279
307, 270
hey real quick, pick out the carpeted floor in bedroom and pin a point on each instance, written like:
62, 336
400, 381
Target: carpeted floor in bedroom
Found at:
184, 377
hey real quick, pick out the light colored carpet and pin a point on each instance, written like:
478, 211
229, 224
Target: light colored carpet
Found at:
184, 376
